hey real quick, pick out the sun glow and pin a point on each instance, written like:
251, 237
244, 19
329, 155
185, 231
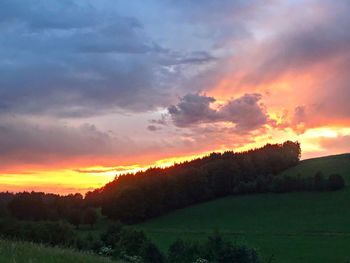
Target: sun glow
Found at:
321, 132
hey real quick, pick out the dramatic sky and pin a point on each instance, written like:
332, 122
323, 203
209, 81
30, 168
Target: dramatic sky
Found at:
89, 89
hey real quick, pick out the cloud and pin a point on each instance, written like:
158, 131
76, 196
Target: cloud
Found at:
340, 144
197, 57
42, 15
80, 59
24, 142
73, 59
101, 62
161, 121
299, 115
245, 112
301, 60
307, 38
193, 109
153, 128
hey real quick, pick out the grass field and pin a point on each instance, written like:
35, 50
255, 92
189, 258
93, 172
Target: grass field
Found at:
308, 227
24, 252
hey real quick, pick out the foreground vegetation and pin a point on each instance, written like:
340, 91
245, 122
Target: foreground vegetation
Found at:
126, 244
298, 227
24, 252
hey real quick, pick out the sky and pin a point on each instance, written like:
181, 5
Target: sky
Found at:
91, 89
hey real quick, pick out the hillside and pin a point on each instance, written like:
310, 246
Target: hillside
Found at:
24, 252
294, 227
328, 164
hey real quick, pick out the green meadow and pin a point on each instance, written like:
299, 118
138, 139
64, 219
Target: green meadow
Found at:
301, 227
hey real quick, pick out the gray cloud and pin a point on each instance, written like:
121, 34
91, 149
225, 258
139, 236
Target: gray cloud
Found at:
193, 109
245, 112
69, 59
40, 14
299, 115
31, 142
76, 59
161, 121
153, 128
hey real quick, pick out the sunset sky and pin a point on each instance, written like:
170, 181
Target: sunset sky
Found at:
89, 89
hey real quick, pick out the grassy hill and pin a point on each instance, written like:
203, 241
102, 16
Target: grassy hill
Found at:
24, 252
329, 164
294, 227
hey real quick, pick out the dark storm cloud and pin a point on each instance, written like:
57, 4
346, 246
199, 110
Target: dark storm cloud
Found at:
245, 112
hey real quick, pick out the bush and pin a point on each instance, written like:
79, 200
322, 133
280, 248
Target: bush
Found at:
151, 254
52, 233
335, 182
130, 245
180, 251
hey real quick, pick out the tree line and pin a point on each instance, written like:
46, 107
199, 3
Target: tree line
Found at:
38, 206
132, 198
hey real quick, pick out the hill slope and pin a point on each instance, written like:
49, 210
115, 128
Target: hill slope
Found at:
294, 227
328, 164
24, 252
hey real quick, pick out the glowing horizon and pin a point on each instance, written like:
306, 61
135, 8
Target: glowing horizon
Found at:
89, 178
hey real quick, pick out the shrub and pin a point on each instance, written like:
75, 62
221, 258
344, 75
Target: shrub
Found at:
52, 233
130, 245
180, 251
151, 254
335, 182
